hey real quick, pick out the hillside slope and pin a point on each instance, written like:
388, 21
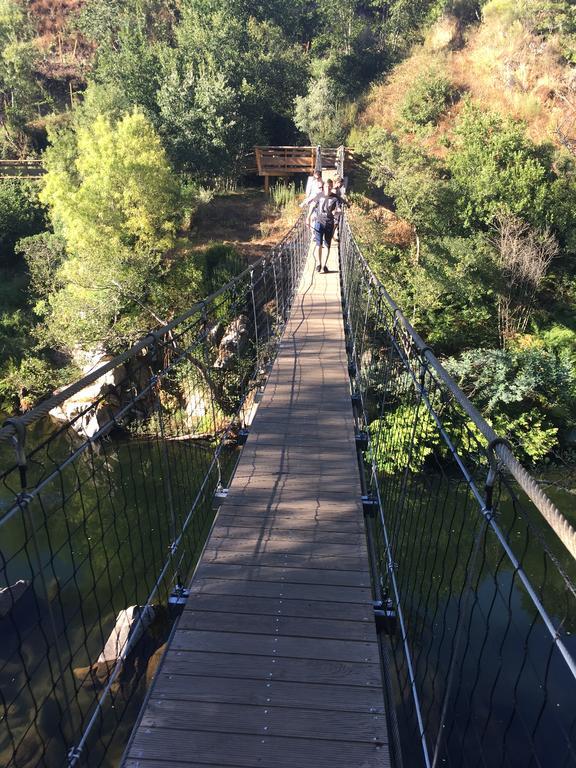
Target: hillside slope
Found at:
473, 140
518, 61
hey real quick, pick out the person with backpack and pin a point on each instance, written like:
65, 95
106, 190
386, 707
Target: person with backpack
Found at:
327, 209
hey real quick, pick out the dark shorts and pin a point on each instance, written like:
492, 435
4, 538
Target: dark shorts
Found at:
323, 232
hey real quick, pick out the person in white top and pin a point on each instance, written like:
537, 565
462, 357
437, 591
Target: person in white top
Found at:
314, 194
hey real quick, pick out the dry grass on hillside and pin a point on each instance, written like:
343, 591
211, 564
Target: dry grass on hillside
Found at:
65, 54
515, 72
247, 220
377, 224
51, 16
503, 66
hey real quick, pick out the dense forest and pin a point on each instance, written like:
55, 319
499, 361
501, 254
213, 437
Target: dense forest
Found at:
462, 118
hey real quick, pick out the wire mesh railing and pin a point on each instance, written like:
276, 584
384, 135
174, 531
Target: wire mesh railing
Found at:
473, 566
104, 513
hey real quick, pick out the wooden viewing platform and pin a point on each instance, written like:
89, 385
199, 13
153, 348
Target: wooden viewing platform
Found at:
28, 169
275, 662
286, 161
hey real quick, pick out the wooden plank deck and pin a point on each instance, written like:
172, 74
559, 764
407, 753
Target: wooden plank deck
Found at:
275, 662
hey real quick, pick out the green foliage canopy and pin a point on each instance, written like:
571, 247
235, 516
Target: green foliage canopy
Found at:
114, 203
496, 168
20, 91
21, 214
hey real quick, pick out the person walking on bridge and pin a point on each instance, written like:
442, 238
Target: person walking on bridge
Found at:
327, 209
314, 193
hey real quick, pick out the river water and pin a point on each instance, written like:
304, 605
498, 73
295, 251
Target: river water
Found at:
494, 689
92, 543
94, 540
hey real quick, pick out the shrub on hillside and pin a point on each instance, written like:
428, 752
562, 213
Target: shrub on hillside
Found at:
496, 168
21, 214
526, 394
427, 99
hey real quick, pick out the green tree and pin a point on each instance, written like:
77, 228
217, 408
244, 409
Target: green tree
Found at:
21, 214
115, 206
20, 92
253, 58
199, 121
496, 168
321, 114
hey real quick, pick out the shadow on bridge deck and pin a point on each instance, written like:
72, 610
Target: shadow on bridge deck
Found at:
274, 662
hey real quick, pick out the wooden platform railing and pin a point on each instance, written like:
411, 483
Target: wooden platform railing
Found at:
285, 161
21, 168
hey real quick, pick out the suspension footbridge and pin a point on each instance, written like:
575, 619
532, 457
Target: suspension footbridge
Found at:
275, 533
275, 659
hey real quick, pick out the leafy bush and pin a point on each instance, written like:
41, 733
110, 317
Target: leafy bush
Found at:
527, 395
427, 99
221, 264
44, 253
403, 439
495, 377
496, 168
531, 434
21, 214
562, 341
33, 377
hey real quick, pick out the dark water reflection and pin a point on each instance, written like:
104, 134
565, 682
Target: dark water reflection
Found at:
92, 542
494, 688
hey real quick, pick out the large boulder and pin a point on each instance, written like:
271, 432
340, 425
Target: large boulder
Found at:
233, 342
131, 624
93, 407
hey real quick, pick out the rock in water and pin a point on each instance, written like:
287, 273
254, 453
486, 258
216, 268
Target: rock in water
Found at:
154, 663
233, 342
94, 406
130, 624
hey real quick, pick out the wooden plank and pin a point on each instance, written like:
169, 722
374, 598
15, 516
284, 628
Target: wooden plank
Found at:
209, 716
242, 667
263, 495
287, 465
258, 153
291, 522
327, 460
210, 621
256, 546
306, 575
326, 484
288, 591
295, 435
262, 645
269, 606
248, 751
338, 511
280, 534
346, 698
285, 560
